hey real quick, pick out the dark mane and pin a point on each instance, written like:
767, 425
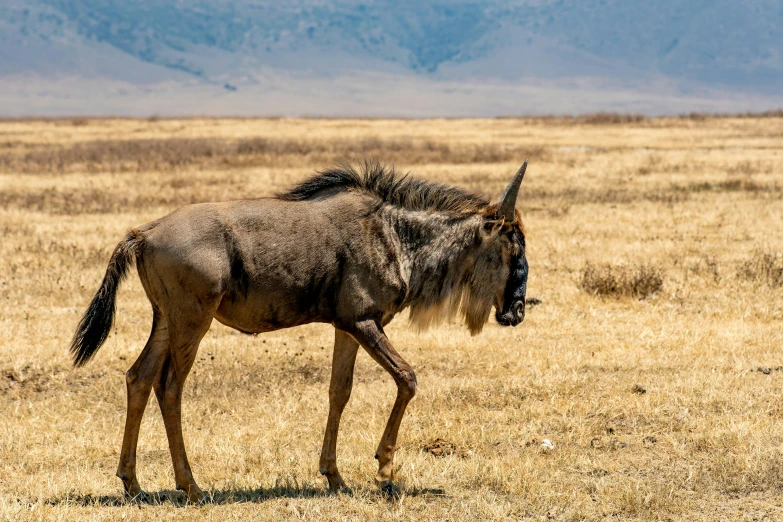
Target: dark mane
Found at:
383, 182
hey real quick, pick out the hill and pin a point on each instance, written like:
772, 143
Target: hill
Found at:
388, 58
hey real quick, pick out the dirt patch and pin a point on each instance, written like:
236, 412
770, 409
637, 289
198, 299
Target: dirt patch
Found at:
24, 381
443, 448
30, 380
768, 370
611, 444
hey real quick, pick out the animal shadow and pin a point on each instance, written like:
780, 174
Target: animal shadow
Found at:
179, 499
223, 497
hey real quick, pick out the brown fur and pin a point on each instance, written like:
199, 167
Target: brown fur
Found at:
345, 247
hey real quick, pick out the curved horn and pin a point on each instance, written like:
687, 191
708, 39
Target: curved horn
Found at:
509, 198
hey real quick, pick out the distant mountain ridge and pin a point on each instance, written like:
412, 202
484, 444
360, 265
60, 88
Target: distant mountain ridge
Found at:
514, 57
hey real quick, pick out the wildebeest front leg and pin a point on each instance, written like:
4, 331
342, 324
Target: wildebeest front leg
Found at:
345, 348
371, 336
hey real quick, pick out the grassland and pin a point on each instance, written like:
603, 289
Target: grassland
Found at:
653, 362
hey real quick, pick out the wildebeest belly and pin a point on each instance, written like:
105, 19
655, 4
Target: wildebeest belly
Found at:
279, 298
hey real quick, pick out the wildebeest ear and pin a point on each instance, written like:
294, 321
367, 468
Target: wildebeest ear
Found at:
492, 226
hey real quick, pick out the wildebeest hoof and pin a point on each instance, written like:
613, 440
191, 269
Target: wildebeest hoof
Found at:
336, 484
389, 490
139, 497
342, 490
195, 495
133, 491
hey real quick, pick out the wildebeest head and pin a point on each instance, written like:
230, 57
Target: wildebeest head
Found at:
503, 263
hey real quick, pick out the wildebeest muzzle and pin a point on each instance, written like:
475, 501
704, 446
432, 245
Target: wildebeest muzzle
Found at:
512, 317
513, 311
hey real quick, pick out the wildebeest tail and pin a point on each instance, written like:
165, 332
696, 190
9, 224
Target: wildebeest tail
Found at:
96, 324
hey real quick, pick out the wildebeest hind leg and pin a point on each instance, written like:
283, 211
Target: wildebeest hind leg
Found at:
139, 380
343, 360
371, 336
184, 338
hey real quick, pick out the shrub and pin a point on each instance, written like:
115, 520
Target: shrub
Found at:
765, 268
638, 281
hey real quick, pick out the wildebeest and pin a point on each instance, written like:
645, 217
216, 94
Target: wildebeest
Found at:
345, 247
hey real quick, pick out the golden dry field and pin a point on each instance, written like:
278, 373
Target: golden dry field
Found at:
653, 363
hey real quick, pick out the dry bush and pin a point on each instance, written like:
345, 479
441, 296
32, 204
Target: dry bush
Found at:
696, 116
701, 116
609, 118
731, 185
606, 196
749, 168
590, 118
93, 201
652, 164
764, 268
706, 266
166, 154
114, 156
638, 281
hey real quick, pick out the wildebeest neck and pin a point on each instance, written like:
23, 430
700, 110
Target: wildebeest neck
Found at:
436, 258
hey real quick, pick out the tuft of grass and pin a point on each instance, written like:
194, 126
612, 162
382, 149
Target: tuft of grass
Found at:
763, 268
638, 281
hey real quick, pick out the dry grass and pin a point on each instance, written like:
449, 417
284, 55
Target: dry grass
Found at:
773, 113
697, 199
609, 118
639, 281
166, 154
765, 268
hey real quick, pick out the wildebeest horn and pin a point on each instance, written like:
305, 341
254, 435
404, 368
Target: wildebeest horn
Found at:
509, 198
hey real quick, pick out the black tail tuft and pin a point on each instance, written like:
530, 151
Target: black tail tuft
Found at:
96, 324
